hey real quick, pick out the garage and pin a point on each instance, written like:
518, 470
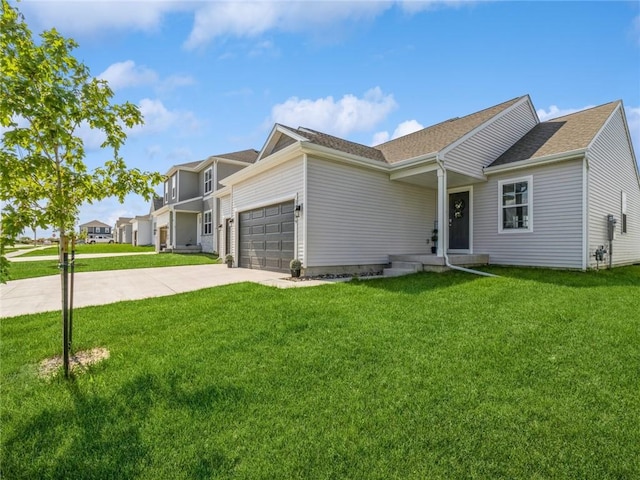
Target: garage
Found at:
267, 237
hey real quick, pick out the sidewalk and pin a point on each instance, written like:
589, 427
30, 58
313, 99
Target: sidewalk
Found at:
42, 294
78, 256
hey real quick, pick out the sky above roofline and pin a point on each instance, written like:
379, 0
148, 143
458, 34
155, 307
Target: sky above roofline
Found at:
215, 76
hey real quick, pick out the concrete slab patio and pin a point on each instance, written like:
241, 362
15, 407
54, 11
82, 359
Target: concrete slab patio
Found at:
35, 295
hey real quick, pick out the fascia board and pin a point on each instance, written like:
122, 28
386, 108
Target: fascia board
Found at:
483, 125
534, 162
271, 161
409, 162
277, 128
409, 172
222, 192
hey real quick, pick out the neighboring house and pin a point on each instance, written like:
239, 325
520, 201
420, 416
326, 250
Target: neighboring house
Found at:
122, 230
141, 230
499, 185
94, 228
189, 218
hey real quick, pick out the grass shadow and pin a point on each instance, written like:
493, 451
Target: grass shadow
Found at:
91, 435
417, 283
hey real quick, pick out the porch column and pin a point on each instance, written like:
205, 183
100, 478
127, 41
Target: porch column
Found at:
173, 229
442, 210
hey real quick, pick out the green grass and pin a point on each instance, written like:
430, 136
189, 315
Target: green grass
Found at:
20, 270
534, 375
93, 248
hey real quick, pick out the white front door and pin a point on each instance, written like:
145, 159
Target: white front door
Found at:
199, 228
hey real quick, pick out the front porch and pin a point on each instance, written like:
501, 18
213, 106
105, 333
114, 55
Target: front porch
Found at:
427, 262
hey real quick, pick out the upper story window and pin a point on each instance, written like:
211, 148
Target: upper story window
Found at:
173, 186
208, 180
166, 192
515, 210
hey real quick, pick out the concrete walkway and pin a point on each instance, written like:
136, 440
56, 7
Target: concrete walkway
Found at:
35, 295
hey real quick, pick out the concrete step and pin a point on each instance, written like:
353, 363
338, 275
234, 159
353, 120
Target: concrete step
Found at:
397, 272
407, 265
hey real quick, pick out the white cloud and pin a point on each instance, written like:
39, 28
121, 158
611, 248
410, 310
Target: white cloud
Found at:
404, 128
249, 19
340, 117
555, 112
127, 74
158, 118
91, 17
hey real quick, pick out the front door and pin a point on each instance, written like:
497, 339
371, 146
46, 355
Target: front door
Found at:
459, 213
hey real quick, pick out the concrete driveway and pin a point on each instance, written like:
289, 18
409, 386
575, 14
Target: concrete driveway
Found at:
34, 295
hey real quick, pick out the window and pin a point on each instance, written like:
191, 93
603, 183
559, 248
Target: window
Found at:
515, 208
623, 211
173, 186
208, 224
166, 192
208, 175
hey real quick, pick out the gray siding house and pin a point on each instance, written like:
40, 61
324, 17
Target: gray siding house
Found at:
496, 186
189, 218
94, 228
122, 230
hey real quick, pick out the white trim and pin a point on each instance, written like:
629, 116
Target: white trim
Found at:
585, 212
174, 185
510, 231
304, 216
199, 229
469, 189
410, 172
531, 162
204, 222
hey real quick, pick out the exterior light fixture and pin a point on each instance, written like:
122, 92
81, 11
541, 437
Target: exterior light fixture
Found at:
297, 210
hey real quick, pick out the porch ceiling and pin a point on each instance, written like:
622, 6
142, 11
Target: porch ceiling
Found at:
430, 179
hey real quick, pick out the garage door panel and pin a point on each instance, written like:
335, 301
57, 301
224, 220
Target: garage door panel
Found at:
267, 237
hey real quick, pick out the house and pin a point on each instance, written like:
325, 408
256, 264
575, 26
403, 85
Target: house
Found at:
189, 218
498, 186
122, 230
141, 230
94, 228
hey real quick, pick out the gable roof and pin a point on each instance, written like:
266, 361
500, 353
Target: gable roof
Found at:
563, 134
437, 137
346, 146
248, 156
94, 223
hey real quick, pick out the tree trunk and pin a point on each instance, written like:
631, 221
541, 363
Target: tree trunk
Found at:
64, 284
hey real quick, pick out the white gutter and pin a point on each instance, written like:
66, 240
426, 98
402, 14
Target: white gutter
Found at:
445, 231
530, 162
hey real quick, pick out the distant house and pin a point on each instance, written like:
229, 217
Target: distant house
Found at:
95, 228
141, 230
189, 218
122, 230
496, 186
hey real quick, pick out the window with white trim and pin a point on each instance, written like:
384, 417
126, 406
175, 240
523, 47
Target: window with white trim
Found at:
208, 180
514, 205
207, 225
166, 192
173, 186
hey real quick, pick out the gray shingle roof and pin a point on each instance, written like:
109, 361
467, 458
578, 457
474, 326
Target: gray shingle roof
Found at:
563, 134
439, 136
248, 156
158, 202
326, 140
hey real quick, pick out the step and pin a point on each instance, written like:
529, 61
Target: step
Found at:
407, 265
397, 272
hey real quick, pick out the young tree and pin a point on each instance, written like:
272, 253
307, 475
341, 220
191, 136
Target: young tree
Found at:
46, 97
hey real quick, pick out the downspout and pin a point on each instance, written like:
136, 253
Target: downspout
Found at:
444, 232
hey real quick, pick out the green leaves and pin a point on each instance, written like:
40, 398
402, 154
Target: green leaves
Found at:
46, 96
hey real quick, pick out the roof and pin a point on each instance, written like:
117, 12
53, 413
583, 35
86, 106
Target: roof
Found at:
563, 134
428, 140
439, 136
188, 164
122, 220
247, 156
94, 223
339, 144
157, 203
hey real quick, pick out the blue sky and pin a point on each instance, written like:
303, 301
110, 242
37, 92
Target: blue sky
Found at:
213, 77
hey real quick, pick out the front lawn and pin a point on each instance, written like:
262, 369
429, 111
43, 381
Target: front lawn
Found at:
20, 270
93, 248
534, 375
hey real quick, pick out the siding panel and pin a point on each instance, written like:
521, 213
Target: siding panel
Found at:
611, 172
556, 239
489, 143
360, 217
